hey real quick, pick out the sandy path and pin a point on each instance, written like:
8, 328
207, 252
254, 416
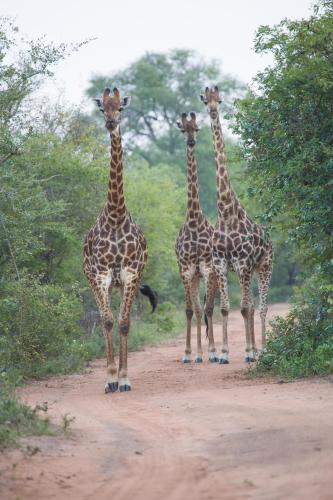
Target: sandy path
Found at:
194, 431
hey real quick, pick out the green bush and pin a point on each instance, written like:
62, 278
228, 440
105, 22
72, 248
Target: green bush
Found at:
302, 344
39, 325
286, 128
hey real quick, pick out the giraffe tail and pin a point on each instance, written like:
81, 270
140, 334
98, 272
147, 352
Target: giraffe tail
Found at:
151, 294
205, 316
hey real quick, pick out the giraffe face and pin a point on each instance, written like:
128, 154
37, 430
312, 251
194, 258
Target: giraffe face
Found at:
212, 100
112, 106
189, 128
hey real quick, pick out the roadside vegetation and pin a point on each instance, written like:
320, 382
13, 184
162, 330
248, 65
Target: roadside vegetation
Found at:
286, 128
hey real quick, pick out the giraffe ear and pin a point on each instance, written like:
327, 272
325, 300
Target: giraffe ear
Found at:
180, 126
99, 104
203, 98
126, 100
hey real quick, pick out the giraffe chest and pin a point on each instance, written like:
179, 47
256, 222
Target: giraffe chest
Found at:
115, 250
193, 245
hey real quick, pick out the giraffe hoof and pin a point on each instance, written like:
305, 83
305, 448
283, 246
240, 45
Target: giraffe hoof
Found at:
125, 388
198, 359
223, 361
186, 359
213, 358
249, 359
111, 387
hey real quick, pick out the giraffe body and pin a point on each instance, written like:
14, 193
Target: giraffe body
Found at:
115, 251
238, 243
194, 252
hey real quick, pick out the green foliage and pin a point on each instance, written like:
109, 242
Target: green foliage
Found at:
155, 328
38, 324
286, 127
302, 344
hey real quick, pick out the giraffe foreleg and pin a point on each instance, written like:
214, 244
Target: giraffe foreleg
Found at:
100, 289
211, 289
128, 293
198, 314
222, 279
189, 315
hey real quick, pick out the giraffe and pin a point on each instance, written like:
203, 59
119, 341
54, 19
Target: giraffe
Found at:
193, 251
115, 250
239, 244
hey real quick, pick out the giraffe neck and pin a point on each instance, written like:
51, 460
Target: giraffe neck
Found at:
193, 205
115, 206
225, 195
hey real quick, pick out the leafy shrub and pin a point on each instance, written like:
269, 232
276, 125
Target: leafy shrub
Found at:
302, 343
39, 324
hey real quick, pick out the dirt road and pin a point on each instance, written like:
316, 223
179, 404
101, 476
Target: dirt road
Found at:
184, 431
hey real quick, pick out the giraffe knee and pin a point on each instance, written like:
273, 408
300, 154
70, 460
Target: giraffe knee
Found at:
209, 311
189, 313
224, 311
245, 310
124, 328
263, 312
108, 323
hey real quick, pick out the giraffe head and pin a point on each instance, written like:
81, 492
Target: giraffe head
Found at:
112, 106
212, 99
189, 127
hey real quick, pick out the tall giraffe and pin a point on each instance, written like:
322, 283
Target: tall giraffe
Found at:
115, 250
239, 244
193, 251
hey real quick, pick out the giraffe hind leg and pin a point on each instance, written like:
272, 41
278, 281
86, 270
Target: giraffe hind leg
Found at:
264, 276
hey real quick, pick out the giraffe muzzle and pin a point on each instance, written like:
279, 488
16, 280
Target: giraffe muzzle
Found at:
111, 124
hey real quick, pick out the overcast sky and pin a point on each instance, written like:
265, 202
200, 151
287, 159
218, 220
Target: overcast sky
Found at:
126, 29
